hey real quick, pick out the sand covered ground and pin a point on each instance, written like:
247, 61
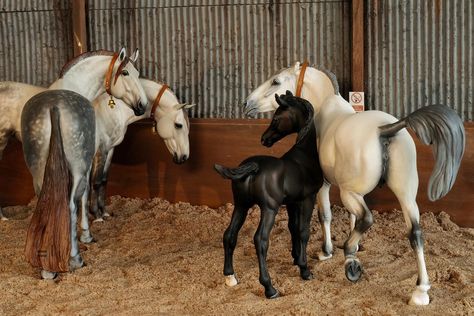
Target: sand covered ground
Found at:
153, 257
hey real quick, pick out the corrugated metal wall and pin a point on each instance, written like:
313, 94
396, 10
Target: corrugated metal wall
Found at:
418, 53
214, 52
36, 40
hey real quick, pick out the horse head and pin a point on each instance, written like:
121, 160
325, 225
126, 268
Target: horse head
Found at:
293, 115
123, 83
315, 85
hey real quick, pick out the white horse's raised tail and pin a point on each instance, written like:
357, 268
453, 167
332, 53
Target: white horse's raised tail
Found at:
359, 151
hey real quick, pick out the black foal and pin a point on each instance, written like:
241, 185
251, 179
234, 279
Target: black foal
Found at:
270, 182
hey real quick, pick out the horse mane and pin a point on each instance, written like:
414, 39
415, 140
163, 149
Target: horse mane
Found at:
309, 121
81, 57
331, 76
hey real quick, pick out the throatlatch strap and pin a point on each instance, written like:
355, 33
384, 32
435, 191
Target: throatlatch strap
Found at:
157, 100
299, 86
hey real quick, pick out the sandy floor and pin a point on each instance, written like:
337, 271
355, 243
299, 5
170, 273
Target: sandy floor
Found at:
154, 257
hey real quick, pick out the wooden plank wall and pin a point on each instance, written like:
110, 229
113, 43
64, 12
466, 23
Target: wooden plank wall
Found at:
143, 168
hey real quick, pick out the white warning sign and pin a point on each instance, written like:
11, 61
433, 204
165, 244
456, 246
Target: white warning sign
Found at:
356, 99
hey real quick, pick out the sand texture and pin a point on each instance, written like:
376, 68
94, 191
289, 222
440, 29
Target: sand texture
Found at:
153, 257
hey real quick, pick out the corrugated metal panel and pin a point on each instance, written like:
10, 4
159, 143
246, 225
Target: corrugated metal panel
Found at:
214, 53
419, 53
36, 40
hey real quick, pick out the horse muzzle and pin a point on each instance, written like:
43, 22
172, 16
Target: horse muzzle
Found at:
179, 160
250, 109
139, 109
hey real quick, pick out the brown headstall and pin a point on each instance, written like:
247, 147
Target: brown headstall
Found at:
299, 85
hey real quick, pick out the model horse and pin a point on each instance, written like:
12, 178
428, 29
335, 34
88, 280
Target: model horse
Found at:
359, 151
65, 118
14, 95
270, 182
170, 123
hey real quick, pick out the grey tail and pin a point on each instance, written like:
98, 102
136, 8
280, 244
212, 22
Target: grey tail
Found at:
237, 173
440, 126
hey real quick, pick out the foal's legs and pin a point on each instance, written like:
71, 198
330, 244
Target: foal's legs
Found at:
304, 221
293, 217
230, 241
356, 205
261, 238
325, 217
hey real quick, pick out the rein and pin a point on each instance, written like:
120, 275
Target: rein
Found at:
108, 76
155, 105
299, 86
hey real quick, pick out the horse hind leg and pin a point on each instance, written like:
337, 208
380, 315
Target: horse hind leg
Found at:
293, 216
412, 219
78, 189
230, 241
261, 246
86, 236
304, 221
356, 205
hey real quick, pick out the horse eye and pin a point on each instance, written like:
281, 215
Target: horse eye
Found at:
178, 126
125, 72
275, 82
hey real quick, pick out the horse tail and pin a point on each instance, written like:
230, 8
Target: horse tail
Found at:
440, 126
237, 173
48, 238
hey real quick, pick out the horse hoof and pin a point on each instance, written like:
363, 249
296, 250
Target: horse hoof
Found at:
107, 214
76, 262
420, 296
47, 275
98, 220
231, 280
273, 294
353, 270
306, 274
3, 218
323, 257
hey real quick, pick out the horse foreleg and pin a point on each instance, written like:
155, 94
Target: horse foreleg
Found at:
86, 236
304, 221
356, 205
261, 246
293, 216
103, 184
95, 183
230, 241
325, 217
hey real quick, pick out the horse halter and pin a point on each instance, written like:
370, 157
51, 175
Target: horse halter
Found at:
155, 105
299, 85
108, 76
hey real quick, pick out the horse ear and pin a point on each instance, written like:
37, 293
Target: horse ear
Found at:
288, 92
188, 106
134, 56
297, 66
122, 54
277, 98
180, 106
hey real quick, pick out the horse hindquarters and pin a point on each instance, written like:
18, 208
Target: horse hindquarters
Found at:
48, 242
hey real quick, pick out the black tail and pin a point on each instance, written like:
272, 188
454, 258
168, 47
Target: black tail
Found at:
237, 173
48, 239
440, 126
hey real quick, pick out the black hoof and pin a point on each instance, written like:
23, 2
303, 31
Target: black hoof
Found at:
353, 270
272, 294
306, 274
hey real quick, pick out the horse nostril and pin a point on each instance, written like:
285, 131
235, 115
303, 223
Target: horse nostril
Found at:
244, 104
185, 157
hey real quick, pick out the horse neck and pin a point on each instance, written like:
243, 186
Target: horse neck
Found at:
167, 101
318, 90
307, 142
86, 77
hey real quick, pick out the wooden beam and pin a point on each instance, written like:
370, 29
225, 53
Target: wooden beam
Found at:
357, 75
79, 26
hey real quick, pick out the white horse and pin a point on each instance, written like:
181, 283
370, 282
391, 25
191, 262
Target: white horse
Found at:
14, 95
358, 151
67, 117
170, 122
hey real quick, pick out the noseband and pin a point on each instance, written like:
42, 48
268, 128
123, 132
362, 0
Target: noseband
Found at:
108, 76
299, 85
155, 105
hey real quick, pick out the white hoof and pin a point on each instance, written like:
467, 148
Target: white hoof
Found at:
98, 220
323, 257
420, 296
48, 275
106, 214
3, 218
86, 238
231, 280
